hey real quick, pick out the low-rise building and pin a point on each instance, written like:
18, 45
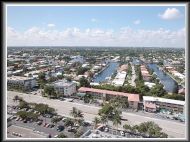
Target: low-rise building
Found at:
133, 99
64, 87
156, 103
119, 78
24, 83
145, 74
149, 84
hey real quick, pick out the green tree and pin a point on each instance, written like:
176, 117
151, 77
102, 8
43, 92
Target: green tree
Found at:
62, 135
55, 120
127, 127
23, 104
84, 82
96, 121
50, 91
116, 118
68, 122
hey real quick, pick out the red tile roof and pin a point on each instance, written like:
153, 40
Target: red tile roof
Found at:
131, 97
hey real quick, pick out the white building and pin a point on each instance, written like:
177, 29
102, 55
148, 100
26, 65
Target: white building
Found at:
77, 59
119, 78
153, 103
64, 87
24, 82
149, 84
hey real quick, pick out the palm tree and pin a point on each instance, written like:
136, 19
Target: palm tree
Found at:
116, 119
73, 112
96, 121
77, 114
127, 127
68, 122
103, 119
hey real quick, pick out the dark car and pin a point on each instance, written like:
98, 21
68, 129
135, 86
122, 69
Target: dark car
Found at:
72, 129
51, 125
60, 128
85, 124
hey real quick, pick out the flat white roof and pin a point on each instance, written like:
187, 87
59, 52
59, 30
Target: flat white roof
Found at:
157, 99
19, 78
63, 83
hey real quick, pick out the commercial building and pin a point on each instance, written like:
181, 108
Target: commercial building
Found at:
133, 99
24, 83
152, 104
65, 88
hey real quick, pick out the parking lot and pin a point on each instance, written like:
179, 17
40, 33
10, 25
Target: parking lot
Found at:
172, 128
46, 127
13, 130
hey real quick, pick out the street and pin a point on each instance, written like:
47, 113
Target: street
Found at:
133, 76
172, 128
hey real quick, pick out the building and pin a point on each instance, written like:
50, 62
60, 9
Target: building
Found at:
145, 74
24, 83
133, 99
152, 104
119, 78
65, 88
149, 84
78, 58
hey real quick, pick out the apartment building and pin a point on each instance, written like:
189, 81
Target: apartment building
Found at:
152, 104
25, 83
65, 88
133, 99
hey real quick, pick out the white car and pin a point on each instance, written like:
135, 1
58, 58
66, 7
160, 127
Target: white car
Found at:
122, 133
55, 136
106, 129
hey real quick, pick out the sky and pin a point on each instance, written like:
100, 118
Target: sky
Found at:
122, 26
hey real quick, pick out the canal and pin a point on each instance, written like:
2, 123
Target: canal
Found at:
168, 82
106, 72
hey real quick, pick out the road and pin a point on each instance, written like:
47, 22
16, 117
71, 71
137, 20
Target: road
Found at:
172, 128
133, 76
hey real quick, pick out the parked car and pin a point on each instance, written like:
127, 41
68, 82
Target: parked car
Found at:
71, 129
85, 123
55, 136
45, 124
122, 133
106, 129
39, 122
17, 119
51, 125
60, 128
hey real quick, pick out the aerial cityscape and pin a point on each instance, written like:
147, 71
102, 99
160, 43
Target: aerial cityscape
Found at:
104, 77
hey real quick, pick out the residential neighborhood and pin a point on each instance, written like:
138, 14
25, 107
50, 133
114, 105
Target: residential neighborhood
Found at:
94, 71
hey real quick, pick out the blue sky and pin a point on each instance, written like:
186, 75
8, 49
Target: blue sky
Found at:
112, 18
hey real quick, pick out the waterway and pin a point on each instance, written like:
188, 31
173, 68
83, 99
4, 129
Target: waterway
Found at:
169, 83
106, 72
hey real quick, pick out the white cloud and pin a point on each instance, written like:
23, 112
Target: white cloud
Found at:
94, 20
126, 36
136, 22
51, 25
170, 14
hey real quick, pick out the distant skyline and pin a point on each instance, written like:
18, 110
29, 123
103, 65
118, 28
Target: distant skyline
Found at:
124, 26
